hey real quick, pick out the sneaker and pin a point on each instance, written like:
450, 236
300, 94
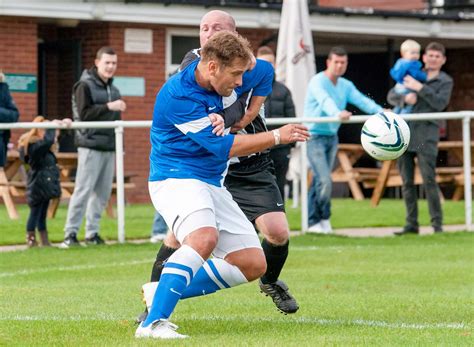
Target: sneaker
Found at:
70, 241
95, 239
315, 228
157, 238
160, 329
326, 226
280, 295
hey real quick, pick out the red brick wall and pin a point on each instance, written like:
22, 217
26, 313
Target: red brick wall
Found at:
152, 68
18, 54
400, 5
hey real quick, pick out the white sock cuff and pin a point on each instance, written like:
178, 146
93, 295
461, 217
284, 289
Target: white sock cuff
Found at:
184, 257
231, 274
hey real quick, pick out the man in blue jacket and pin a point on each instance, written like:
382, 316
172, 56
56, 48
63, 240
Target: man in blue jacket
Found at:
327, 96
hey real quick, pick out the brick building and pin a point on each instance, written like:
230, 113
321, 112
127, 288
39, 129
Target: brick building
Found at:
45, 44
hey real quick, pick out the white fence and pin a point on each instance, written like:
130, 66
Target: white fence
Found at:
119, 127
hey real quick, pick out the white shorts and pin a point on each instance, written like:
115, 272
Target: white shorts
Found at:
205, 205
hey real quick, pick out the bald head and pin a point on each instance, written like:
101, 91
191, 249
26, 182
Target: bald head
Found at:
215, 21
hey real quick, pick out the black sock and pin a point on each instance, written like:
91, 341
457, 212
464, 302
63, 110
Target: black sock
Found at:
161, 257
276, 257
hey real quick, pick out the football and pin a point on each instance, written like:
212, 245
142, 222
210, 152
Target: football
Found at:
385, 136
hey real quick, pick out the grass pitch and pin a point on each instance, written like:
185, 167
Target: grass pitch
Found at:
362, 291
346, 213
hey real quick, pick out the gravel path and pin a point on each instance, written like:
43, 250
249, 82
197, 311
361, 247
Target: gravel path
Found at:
351, 232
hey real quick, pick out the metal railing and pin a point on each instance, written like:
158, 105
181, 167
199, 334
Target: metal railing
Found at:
119, 127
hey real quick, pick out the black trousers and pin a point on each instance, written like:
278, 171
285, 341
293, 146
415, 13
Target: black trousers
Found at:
427, 164
37, 217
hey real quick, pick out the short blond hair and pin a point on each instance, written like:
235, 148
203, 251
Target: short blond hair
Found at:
225, 47
408, 45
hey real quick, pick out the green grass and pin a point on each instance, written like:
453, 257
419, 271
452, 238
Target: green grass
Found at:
346, 213
408, 291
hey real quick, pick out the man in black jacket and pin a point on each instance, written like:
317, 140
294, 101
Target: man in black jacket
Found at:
8, 114
279, 104
94, 98
432, 96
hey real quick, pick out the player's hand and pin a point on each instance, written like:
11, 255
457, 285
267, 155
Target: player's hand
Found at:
411, 83
67, 122
117, 105
217, 121
293, 133
411, 99
344, 115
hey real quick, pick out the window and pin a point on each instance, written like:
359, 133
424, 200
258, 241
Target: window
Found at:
178, 43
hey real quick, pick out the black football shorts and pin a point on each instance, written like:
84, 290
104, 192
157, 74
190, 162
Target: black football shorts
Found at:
255, 190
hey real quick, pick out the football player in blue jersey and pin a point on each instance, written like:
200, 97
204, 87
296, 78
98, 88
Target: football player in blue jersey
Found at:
250, 180
187, 167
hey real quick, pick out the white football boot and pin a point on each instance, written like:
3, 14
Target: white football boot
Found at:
148, 291
160, 329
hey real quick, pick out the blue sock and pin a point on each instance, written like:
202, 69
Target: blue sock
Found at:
214, 275
177, 274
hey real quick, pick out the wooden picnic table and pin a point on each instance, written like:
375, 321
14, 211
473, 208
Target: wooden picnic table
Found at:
13, 182
453, 174
387, 174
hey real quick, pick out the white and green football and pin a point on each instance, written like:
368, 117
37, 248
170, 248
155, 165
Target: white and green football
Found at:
385, 136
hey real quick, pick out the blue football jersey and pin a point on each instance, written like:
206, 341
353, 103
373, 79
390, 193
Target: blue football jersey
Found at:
182, 142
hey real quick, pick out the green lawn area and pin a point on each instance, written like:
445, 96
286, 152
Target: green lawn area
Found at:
410, 291
346, 213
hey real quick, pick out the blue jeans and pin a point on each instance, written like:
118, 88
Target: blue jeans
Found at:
321, 152
159, 225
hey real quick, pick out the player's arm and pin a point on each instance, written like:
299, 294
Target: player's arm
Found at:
235, 112
256, 103
363, 102
248, 144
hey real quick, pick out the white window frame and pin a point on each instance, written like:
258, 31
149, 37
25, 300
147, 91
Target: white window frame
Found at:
170, 32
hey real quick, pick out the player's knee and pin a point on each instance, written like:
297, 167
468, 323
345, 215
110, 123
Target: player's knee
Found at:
170, 241
202, 240
278, 236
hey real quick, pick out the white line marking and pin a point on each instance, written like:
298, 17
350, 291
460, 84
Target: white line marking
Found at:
286, 320
74, 268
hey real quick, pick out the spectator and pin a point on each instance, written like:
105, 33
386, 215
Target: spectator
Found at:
8, 114
37, 148
432, 96
327, 96
407, 65
94, 98
159, 229
278, 104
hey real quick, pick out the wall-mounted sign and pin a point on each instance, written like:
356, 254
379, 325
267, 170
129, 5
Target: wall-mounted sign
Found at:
130, 86
21, 83
138, 41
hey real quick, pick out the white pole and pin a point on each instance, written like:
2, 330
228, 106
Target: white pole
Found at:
466, 138
304, 188
120, 182
296, 193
